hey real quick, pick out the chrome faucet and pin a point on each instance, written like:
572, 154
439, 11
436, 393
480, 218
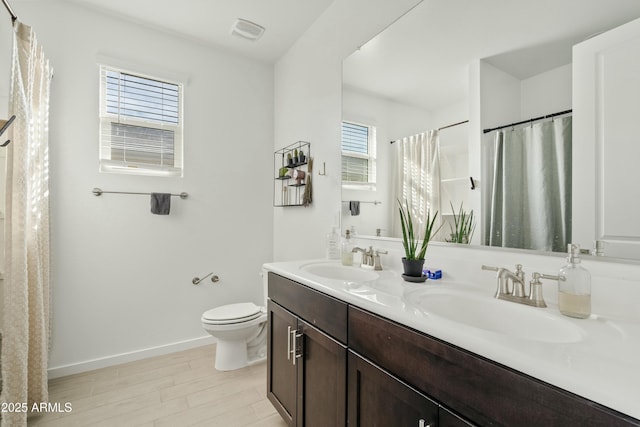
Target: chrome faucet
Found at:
367, 255
516, 293
370, 257
376, 259
505, 278
517, 279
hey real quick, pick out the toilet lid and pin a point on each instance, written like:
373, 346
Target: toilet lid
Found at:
243, 311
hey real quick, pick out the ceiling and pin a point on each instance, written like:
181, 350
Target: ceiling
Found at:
210, 21
423, 58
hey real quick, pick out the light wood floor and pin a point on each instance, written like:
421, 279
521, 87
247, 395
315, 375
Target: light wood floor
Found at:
178, 389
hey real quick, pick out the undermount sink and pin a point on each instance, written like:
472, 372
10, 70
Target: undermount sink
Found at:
336, 271
500, 317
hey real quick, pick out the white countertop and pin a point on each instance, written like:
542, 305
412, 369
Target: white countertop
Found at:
602, 364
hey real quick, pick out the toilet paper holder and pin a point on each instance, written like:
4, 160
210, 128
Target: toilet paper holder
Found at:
196, 280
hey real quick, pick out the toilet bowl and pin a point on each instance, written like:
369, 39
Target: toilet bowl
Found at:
240, 331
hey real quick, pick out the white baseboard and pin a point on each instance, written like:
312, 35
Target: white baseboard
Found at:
117, 359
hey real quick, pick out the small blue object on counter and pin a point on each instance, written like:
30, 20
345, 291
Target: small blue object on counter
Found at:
433, 273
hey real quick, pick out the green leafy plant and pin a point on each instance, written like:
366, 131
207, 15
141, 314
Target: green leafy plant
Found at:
409, 239
463, 225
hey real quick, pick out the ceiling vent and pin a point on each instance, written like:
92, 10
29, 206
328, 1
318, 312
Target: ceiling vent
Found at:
247, 29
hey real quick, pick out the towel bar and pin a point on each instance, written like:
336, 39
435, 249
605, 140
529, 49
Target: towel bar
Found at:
375, 202
98, 192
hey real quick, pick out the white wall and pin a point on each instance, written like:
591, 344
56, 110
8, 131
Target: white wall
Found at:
506, 99
450, 114
500, 97
545, 93
121, 277
308, 87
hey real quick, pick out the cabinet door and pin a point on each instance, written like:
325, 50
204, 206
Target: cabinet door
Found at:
606, 84
281, 372
379, 399
323, 380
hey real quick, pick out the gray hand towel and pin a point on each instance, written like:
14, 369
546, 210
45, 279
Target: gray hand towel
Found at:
354, 207
160, 203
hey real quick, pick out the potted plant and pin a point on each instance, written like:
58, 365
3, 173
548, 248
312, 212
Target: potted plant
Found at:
413, 261
463, 226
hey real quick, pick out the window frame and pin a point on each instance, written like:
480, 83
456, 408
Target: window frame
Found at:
370, 184
106, 119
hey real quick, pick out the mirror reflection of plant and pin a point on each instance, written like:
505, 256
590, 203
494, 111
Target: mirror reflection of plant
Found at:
409, 239
463, 226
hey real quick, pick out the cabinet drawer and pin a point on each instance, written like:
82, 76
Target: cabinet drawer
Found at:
322, 311
476, 388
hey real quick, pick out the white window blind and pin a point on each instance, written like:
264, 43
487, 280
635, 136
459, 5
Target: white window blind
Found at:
140, 124
358, 153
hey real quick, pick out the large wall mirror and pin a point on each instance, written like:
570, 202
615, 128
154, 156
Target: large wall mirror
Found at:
441, 75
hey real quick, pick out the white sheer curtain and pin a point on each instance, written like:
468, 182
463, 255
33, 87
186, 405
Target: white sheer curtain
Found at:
528, 197
26, 295
417, 177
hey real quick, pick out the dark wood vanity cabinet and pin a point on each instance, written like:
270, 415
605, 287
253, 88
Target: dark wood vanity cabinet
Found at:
385, 374
478, 389
307, 367
447, 418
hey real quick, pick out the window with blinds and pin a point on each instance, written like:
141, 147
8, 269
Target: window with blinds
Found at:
140, 124
358, 154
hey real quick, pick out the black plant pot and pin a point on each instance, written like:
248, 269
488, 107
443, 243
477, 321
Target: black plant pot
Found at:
413, 267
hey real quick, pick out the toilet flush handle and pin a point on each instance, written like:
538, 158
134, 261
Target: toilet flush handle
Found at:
196, 280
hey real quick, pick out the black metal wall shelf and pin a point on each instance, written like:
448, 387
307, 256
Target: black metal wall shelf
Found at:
290, 163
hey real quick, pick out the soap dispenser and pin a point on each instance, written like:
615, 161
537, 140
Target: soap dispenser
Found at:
574, 286
333, 244
347, 249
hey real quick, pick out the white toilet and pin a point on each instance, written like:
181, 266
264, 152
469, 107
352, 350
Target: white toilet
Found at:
240, 331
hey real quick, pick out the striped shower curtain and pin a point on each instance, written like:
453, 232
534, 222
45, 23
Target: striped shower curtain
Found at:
25, 306
528, 187
417, 179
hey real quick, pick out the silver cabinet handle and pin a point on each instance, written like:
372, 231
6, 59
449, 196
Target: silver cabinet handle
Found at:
423, 423
294, 349
292, 344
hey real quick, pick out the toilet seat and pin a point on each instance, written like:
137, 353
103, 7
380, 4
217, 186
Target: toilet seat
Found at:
232, 313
